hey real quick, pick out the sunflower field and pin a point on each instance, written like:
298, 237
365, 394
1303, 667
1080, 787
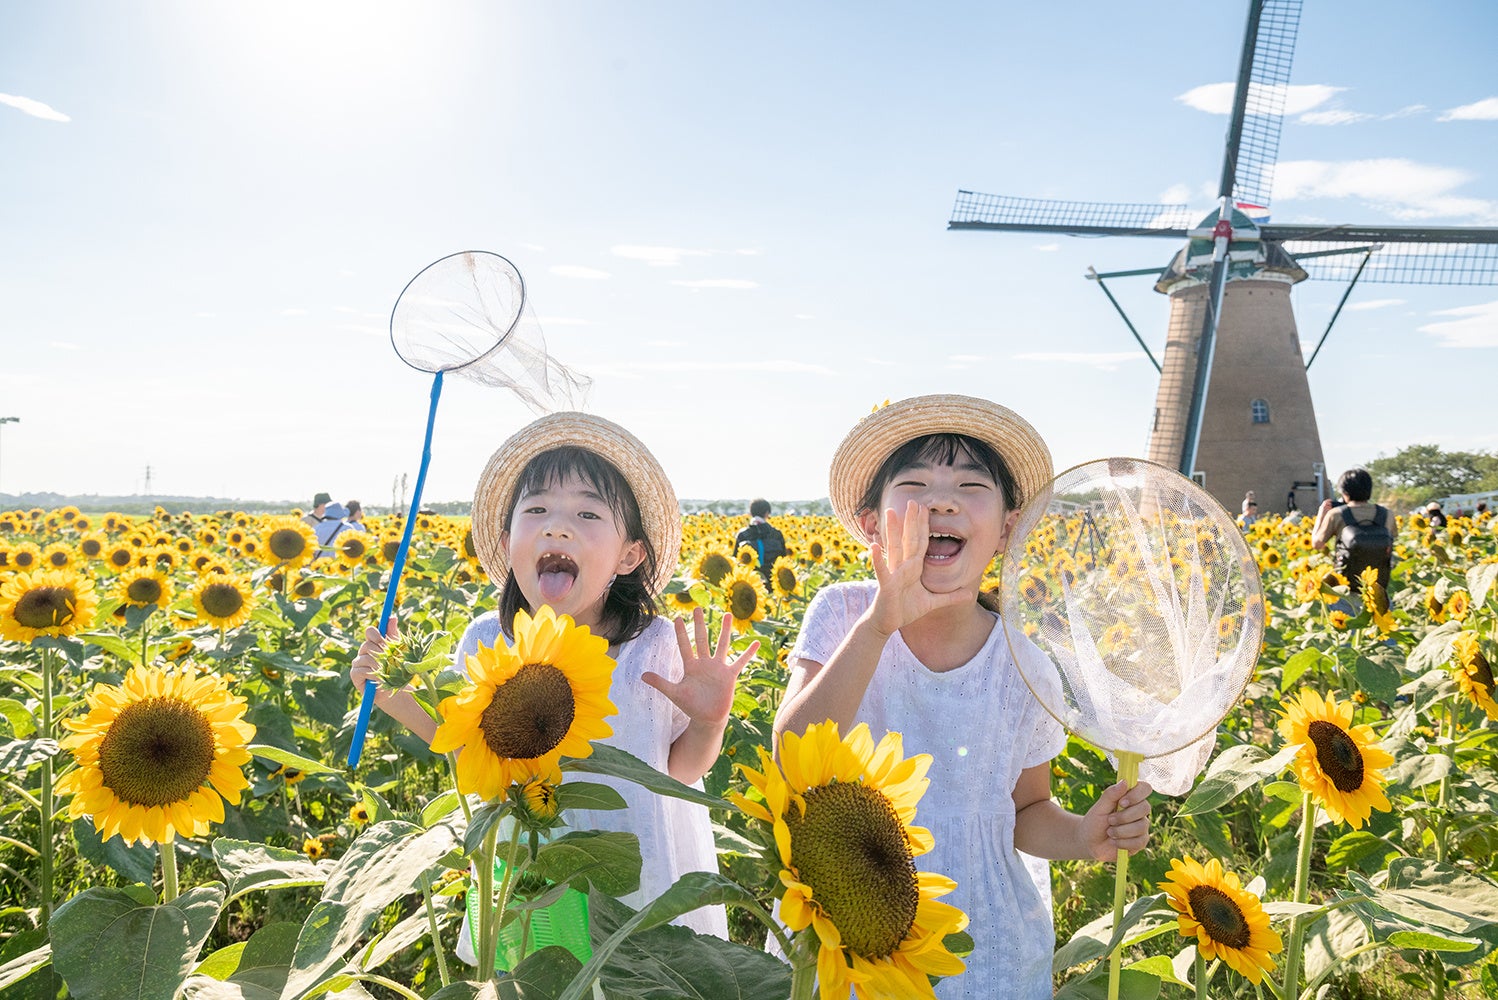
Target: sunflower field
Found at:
178, 817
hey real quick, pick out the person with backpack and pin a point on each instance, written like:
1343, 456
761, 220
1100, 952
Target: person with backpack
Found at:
761, 536
1364, 530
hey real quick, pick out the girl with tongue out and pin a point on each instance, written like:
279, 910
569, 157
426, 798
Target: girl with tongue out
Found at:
575, 513
934, 485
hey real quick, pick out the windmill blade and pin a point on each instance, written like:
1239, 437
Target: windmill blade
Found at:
1403, 263
1377, 234
1073, 218
1259, 101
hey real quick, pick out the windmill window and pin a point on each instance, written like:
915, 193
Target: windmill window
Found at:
1260, 410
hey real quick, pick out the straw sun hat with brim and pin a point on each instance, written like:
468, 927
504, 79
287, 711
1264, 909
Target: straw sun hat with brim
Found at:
878, 435
647, 480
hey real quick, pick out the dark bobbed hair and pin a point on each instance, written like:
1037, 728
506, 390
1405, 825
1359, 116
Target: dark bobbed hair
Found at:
1356, 484
759, 507
945, 449
630, 604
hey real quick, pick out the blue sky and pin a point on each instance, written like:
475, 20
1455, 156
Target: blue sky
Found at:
731, 217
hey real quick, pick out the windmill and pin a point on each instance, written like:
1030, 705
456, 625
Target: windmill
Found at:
1234, 408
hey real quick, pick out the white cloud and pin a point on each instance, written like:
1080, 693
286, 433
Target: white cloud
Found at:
803, 316
1485, 110
1403, 188
718, 283
562, 321
578, 271
1217, 98
747, 252
1375, 304
1473, 326
665, 343
1334, 116
1177, 194
880, 362
966, 357
656, 256
1407, 110
35, 109
766, 365
295, 312
1048, 247
1104, 360
65, 345
534, 247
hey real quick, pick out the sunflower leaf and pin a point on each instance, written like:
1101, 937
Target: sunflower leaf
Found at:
616, 763
1434, 650
1298, 664
588, 795
1098, 938
1133, 984
107, 944
610, 861
1234, 771
249, 866
22, 722
285, 757
18, 755
1480, 581
135, 862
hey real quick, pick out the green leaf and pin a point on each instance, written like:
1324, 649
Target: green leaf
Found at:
690, 892
616, 763
271, 725
223, 963
1099, 938
672, 961
136, 862
17, 756
1441, 894
1480, 581
1302, 661
379, 867
1160, 967
247, 866
1377, 677
1133, 984
1351, 848
22, 722
111, 643
1434, 650
610, 861
107, 944
1415, 770
286, 757
484, 817
1429, 941
16, 969
1235, 770
439, 807
588, 795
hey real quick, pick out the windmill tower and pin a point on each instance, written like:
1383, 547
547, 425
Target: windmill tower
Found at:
1234, 404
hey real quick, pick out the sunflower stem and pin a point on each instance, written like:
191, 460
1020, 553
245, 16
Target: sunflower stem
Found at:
44, 803
1302, 881
168, 871
803, 956
1128, 773
426, 898
1202, 976
486, 904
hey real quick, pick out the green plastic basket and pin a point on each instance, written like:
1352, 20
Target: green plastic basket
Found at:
563, 923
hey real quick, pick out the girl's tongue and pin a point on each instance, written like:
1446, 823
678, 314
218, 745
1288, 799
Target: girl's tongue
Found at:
555, 576
943, 546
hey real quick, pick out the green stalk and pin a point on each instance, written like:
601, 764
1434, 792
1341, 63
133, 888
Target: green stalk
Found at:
1445, 790
1128, 773
506, 886
45, 802
1201, 976
168, 872
486, 904
426, 897
803, 956
1302, 880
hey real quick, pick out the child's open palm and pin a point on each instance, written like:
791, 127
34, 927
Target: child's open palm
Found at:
705, 691
899, 558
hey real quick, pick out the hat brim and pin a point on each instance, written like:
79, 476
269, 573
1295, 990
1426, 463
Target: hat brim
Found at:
874, 438
659, 511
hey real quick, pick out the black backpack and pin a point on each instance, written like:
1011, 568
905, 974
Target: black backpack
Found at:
1363, 544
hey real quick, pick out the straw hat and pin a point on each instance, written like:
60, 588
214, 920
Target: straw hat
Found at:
877, 436
647, 480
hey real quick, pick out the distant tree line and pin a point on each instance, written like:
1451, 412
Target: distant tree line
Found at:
1420, 473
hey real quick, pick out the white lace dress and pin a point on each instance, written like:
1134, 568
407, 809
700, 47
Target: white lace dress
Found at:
982, 727
676, 837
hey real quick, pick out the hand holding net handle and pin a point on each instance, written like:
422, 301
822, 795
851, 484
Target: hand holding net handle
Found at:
366, 706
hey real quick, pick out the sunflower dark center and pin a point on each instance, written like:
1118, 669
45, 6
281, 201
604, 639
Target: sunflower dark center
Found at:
222, 600
469, 549
45, 607
850, 847
786, 578
353, 548
530, 713
1220, 914
1338, 755
58, 559
157, 751
1481, 671
389, 549
146, 590
815, 550
91, 547
715, 566
743, 600
286, 543
23, 559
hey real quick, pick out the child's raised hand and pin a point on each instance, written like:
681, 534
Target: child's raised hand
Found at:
705, 691
1118, 820
366, 663
899, 558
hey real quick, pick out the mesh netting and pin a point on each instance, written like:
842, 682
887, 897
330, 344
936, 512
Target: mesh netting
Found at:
468, 314
1140, 591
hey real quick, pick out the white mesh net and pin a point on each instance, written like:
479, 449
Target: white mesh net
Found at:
1140, 590
469, 314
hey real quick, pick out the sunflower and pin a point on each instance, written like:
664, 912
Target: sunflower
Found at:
783, 578
358, 814
157, 755
58, 555
746, 597
287, 541
144, 587
816, 548
1226, 919
1434, 606
1339, 620
713, 566
351, 548
48, 602
1474, 674
307, 587
1338, 762
1458, 603
681, 602
841, 813
313, 848
25, 557
91, 546
121, 556
223, 601
527, 706
539, 799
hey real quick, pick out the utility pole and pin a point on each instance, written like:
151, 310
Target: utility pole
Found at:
148, 481
8, 420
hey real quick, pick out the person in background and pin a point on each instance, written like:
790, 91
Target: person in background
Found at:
1364, 530
319, 510
355, 518
761, 536
330, 527
1435, 515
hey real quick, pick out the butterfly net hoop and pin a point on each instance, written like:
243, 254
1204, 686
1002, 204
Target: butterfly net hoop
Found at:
469, 314
1134, 612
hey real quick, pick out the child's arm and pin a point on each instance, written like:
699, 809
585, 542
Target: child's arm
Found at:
399, 705
817, 692
704, 694
1042, 828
